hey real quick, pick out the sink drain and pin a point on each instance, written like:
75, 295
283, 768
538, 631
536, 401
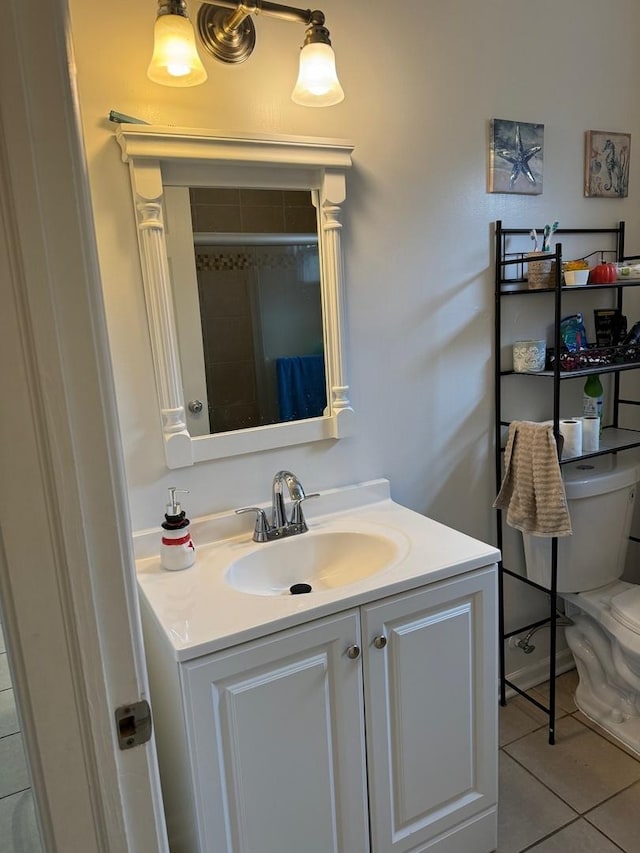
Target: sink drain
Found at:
300, 588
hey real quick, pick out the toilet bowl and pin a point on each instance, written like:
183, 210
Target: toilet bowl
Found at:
605, 611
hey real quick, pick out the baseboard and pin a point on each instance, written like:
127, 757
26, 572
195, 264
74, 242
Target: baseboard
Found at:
537, 672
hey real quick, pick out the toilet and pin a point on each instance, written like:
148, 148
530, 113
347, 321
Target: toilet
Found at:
605, 635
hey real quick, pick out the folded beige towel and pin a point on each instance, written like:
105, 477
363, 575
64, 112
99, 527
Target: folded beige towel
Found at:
532, 489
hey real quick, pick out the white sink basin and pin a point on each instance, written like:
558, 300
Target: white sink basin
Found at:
323, 559
361, 546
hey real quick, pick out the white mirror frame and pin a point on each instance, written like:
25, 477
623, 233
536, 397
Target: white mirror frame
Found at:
159, 156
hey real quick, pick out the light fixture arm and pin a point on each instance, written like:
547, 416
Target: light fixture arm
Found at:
274, 10
235, 18
230, 37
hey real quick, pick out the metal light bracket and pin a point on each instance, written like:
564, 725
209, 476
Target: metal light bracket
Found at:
228, 33
223, 37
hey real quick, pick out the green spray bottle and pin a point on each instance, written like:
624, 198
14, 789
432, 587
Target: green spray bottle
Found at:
593, 397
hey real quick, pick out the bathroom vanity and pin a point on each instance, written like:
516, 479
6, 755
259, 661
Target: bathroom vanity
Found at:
359, 717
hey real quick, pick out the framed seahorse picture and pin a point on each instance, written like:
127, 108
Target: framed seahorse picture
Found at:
606, 164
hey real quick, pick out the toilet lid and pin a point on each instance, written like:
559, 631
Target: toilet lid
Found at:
625, 608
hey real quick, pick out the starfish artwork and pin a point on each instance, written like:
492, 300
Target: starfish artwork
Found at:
515, 164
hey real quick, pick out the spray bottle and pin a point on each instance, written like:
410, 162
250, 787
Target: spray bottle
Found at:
177, 550
592, 398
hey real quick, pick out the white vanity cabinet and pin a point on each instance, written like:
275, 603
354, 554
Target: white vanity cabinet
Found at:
431, 717
276, 742
373, 729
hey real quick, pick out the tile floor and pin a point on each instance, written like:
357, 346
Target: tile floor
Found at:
18, 830
581, 795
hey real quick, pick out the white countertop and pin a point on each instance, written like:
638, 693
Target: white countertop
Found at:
199, 612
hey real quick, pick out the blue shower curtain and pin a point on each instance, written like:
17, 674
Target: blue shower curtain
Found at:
301, 387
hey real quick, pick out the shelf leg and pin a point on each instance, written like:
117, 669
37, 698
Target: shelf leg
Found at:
553, 602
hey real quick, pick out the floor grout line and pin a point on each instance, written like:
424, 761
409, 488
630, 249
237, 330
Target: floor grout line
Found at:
526, 734
621, 791
13, 793
544, 785
549, 835
602, 832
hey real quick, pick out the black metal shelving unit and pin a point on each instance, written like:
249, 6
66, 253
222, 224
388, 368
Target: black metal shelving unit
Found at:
614, 438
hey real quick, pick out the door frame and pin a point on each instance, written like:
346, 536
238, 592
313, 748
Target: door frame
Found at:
67, 572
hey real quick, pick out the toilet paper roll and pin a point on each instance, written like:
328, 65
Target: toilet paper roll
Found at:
571, 430
590, 433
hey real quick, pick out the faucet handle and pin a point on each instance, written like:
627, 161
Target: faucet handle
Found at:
297, 516
261, 530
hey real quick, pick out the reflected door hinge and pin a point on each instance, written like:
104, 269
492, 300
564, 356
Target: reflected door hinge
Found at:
133, 723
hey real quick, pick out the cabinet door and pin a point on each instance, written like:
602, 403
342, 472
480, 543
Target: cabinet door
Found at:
276, 738
431, 717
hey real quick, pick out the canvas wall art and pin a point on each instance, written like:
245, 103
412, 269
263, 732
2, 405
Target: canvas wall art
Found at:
515, 157
606, 164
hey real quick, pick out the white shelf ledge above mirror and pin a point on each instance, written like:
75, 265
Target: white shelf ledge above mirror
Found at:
159, 157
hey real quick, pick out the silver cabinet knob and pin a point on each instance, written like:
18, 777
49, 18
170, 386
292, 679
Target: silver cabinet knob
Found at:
380, 642
195, 406
353, 652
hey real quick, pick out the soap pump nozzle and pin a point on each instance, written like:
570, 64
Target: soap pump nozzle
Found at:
173, 507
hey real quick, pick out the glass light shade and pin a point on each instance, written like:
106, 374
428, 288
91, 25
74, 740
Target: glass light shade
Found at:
175, 60
317, 84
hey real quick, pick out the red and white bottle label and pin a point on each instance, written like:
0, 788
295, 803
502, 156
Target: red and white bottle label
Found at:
177, 550
182, 540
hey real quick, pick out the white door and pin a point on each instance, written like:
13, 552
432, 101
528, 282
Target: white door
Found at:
67, 586
277, 742
431, 716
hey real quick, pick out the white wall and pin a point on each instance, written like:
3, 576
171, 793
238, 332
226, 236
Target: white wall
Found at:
422, 81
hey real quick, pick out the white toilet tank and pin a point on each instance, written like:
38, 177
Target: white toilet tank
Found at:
600, 495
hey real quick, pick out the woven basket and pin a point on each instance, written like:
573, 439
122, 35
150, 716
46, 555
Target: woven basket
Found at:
541, 273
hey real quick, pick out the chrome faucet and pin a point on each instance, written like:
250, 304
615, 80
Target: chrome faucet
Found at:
281, 526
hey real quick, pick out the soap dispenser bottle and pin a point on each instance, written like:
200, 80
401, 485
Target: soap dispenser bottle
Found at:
177, 550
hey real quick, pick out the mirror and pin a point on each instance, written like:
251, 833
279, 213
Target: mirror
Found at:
247, 299
172, 172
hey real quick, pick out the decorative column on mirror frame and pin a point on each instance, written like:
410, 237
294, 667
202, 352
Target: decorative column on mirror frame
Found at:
158, 297
331, 196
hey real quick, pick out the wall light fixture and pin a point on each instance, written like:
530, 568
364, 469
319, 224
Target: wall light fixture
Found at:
226, 31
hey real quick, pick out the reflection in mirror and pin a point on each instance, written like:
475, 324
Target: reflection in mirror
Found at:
258, 324
258, 280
